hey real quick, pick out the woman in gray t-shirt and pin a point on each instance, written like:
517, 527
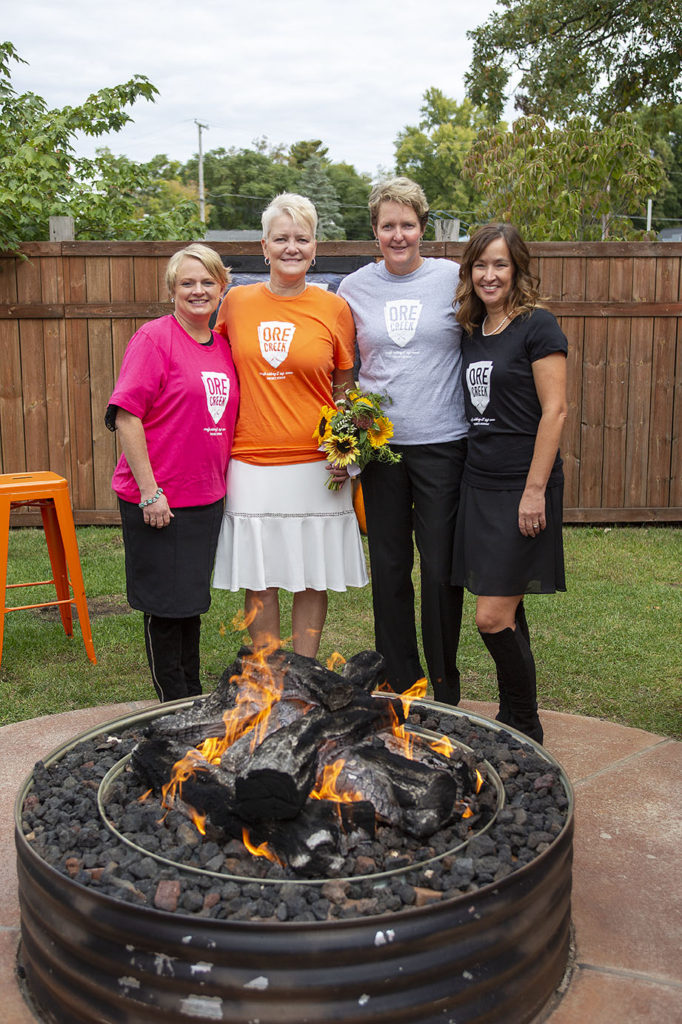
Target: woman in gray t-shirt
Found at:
409, 347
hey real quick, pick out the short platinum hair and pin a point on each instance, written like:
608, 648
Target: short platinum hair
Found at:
209, 257
399, 190
290, 204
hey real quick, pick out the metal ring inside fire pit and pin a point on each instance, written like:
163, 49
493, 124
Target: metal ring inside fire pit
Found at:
117, 770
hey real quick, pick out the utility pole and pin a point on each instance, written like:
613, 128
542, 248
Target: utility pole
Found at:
202, 198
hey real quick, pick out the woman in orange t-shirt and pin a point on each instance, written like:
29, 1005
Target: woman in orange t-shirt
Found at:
293, 347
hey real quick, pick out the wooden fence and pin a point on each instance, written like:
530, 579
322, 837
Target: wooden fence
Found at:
68, 310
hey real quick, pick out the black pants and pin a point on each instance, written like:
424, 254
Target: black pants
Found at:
173, 654
419, 494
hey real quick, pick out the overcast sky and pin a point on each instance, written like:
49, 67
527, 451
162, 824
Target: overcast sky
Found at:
350, 72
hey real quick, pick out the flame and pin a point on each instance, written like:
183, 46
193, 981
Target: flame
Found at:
479, 781
144, 796
468, 813
243, 619
442, 746
326, 785
335, 661
260, 851
199, 820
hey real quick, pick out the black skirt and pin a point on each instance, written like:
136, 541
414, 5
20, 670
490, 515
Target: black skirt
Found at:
491, 556
168, 571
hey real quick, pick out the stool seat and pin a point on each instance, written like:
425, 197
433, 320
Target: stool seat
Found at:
50, 492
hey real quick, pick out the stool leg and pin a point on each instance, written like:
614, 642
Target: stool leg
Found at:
4, 545
68, 532
55, 549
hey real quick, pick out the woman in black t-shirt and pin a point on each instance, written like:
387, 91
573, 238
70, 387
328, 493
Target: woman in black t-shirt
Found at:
508, 538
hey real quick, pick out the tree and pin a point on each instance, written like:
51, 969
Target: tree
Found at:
571, 183
353, 191
239, 183
594, 57
41, 177
301, 152
433, 153
315, 184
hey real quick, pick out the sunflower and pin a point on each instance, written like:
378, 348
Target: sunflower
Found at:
342, 449
381, 432
323, 428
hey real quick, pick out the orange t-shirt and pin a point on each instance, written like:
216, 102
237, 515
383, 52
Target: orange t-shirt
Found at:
285, 350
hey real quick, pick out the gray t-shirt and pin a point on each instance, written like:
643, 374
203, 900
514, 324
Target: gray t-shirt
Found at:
409, 345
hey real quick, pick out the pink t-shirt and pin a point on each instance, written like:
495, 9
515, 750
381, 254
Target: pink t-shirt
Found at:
186, 395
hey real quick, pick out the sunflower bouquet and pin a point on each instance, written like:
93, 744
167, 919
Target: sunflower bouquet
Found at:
354, 432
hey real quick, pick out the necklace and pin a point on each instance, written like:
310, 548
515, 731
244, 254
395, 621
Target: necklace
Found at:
495, 329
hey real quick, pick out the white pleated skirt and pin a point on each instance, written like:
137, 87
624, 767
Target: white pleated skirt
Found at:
283, 528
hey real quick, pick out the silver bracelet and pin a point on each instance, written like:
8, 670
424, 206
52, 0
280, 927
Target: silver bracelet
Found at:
150, 501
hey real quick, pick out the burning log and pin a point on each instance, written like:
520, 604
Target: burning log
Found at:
319, 838
407, 793
283, 769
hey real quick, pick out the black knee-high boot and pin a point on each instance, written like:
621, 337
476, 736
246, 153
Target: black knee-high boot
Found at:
514, 661
504, 715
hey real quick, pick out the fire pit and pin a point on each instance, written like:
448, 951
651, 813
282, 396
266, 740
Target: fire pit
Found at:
469, 922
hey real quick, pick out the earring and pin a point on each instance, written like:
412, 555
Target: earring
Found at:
313, 262
376, 242
267, 261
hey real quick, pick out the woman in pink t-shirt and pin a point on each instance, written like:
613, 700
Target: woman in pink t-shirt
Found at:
174, 408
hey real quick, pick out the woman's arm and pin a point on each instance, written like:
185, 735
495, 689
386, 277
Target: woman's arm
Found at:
342, 381
549, 375
134, 444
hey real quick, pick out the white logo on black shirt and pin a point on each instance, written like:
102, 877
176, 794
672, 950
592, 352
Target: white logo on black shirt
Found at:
402, 317
478, 381
274, 337
217, 388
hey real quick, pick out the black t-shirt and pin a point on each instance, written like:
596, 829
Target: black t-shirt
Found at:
502, 405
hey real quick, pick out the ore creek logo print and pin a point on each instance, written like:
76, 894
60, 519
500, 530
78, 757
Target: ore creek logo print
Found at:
217, 388
274, 338
402, 318
478, 381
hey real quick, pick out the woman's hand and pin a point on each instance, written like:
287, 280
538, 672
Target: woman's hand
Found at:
339, 475
158, 514
532, 512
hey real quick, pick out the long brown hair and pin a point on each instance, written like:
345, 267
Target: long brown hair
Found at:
524, 295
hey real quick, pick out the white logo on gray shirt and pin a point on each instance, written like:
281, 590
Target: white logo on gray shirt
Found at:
478, 381
402, 317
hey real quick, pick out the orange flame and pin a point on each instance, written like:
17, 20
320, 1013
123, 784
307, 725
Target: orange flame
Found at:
326, 787
442, 746
479, 781
335, 661
259, 851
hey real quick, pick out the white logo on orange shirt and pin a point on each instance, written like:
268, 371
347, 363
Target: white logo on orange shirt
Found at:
402, 317
275, 337
217, 388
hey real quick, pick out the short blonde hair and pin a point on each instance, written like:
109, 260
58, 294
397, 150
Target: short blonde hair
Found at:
399, 190
299, 208
208, 257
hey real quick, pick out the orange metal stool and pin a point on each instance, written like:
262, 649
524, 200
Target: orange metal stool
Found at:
50, 493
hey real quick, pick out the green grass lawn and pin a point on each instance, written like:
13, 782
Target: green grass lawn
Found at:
609, 647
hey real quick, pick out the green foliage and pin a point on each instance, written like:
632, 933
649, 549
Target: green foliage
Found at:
239, 183
664, 130
570, 183
578, 57
433, 153
315, 184
40, 176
